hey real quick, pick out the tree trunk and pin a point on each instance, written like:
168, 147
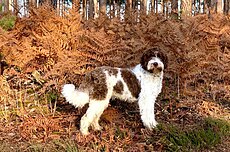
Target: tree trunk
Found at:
186, 8
134, 4
225, 2
213, 6
226, 7
91, 8
162, 6
156, 6
6, 5
219, 6
144, 6
174, 12
202, 6
16, 9
194, 9
34, 3
199, 6
153, 6
128, 5
118, 8
174, 5
103, 7
96, 9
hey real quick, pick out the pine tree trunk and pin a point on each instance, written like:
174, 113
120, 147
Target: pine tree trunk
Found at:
153, 6
16, 9
84, 8
6, 5
186, 8
219, 6
156, 6
91, 8
96, 9
226, 7
174, 12
162, 6
144, 6
103, 6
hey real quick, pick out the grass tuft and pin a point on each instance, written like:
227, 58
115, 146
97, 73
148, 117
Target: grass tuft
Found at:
120, 134
205, 135
52, 96
7, 22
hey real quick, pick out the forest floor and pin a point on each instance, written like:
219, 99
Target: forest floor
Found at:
45, 51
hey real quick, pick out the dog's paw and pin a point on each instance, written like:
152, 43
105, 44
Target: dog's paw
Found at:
151, 124
84, 132
97, 127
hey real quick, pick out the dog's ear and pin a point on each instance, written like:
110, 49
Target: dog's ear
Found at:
146, 57
163, 58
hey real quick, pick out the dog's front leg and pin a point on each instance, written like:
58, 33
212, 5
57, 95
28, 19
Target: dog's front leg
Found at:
146, 106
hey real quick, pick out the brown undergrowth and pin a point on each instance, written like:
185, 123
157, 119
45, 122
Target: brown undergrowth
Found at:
44, 51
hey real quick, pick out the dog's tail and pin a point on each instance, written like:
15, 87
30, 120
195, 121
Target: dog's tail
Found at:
74, 96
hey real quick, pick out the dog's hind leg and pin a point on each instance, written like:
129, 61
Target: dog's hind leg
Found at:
92, 115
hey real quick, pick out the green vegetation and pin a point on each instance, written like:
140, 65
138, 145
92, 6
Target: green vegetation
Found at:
205, 135
52, 96
1, 6
7, 22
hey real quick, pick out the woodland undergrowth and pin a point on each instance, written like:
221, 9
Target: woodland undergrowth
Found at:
44, 51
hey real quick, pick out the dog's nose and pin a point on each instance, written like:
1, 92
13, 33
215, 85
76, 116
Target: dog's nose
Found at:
155, 64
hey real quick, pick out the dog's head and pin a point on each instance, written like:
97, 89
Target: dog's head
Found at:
154, 61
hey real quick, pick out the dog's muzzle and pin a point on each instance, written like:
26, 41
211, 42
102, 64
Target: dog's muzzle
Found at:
156, 67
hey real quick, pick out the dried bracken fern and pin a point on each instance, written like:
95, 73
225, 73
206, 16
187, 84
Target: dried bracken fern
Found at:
39, 128
7, 94
44, 51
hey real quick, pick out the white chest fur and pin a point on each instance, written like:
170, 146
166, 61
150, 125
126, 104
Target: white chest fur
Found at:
151, 86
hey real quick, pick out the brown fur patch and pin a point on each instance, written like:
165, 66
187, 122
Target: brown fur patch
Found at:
118, 88
95, 83
111, 71
132, 82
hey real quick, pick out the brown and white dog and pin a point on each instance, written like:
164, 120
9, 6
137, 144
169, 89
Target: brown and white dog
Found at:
140, 84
